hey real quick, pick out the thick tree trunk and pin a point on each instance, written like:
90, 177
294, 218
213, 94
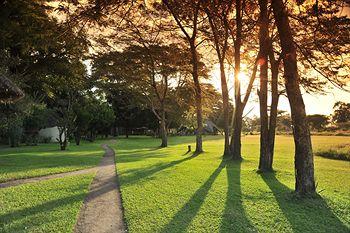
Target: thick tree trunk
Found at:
264, 162
304, 161
198, 101
163, 129
236, 135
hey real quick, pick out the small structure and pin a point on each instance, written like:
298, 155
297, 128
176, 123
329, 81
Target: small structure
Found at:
51, 133
9, 92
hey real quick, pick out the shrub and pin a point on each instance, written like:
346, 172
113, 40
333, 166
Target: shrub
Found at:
341, 152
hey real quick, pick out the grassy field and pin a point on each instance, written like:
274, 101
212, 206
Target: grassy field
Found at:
47, 206
167, 190
45, 159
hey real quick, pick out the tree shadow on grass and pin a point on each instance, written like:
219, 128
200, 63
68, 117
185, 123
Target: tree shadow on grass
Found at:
33, 217
139, 174
186, 214
234, 218
38, 215
310, 214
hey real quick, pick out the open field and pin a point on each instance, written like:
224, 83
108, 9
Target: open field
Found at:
45, 159
166, 190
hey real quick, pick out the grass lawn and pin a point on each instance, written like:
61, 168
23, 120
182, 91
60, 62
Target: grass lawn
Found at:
47, 206
166, 190
45, 159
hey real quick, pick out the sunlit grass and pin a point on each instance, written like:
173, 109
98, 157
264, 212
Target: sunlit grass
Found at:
167, 190
47, 206
45, 159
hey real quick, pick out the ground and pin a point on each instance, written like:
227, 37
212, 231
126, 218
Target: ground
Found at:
167, 190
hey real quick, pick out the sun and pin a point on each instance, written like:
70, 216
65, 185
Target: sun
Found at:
216, 79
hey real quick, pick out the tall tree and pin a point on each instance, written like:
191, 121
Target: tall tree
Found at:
217, 13
265, 159
187, 17
304, 162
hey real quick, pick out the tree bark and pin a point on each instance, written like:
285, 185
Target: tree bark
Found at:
304, 161
274, 105
236, 143
264, 161
226, 108
163, 129
77, 137
198, 98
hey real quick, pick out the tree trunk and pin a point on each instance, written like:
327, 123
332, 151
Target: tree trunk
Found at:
226, 108
236, 135
127, 130
273, 110
238, 113
62, 141
163, 129
264, 161
304, 161
77, 137
198, 96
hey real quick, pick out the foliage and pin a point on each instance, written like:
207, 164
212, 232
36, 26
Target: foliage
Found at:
317, 121
341, 112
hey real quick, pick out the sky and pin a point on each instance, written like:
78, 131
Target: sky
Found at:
314, 104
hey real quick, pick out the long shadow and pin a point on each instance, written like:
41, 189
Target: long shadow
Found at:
26, 164
24, 215
138, 175
185, 215
311, 214
234, 218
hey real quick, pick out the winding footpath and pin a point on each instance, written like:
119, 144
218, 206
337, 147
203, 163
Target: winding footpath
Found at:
102, 210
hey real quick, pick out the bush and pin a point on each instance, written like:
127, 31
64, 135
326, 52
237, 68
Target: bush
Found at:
340, 152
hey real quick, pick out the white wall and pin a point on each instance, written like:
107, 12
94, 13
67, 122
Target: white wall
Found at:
50, 132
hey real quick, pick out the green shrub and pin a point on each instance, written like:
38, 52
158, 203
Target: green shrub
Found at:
341, 152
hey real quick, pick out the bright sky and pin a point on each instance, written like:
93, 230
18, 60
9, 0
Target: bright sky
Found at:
315, 104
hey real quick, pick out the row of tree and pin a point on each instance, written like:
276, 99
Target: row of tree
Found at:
295, 39
156, 56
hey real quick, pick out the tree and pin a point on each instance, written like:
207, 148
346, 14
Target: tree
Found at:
188, 13
151, 70
341, 112
217, 13
317, 121
304, 162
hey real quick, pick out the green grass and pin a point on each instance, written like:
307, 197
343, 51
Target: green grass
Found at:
166, 190
47, 206
45, 159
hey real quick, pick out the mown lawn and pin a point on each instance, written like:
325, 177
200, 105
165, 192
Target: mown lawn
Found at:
166, 190
47, 206
45, 159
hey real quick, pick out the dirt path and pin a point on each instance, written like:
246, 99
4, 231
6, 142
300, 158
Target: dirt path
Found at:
41, 178
102, 208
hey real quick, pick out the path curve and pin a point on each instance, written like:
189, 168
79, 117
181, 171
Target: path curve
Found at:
102, 209
48, 177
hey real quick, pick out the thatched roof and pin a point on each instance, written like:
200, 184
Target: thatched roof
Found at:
9, 92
